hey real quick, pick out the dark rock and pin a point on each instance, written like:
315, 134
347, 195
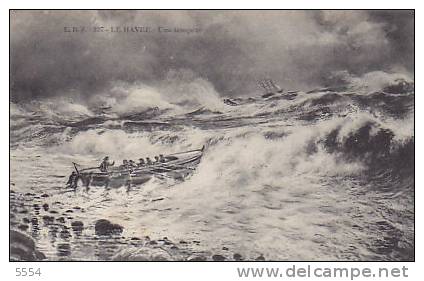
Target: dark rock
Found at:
23, 211
25, 220
44, 195
48, 219
153, 242
53, 212
69, 211
174, 248
23, 227
22, 248
183, 242
36, 207
237, 257
260, 258
218, 258
77, 226
34, 221
61, 220
135, 238
225, 248
105, 227
77, 208
46, 207
65, 234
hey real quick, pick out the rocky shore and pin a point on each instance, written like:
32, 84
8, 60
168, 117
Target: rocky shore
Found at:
22, 247
65, 233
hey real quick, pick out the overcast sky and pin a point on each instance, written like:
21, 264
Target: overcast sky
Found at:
233, 49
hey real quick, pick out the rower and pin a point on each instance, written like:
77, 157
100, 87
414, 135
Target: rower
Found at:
156, 159
106, 164
132, 164
161, 158
141, 163
72, 181
148, 161
125, 163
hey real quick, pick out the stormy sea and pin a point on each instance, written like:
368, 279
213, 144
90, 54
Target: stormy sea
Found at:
323, 174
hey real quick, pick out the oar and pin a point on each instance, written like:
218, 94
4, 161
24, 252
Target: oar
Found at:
76, 169
201, 149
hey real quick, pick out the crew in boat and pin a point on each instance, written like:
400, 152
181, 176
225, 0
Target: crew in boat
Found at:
132, 164
148, 161
141, 163
125, 164
156, 159
106, 164
161, 158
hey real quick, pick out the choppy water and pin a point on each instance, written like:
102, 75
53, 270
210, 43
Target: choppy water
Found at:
320, 175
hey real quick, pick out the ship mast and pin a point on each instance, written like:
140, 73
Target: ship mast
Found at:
269, 86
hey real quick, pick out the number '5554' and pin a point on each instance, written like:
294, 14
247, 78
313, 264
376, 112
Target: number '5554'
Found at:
23, 271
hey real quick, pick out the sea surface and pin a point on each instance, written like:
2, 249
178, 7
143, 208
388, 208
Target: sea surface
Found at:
326, 174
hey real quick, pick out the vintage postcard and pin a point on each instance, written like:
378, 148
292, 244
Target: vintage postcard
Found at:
212, 135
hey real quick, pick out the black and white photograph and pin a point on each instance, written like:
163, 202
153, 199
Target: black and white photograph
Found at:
212, 135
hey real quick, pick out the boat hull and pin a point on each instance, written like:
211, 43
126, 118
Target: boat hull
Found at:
177, 166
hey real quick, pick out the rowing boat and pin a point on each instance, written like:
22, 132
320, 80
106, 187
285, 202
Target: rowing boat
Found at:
176, 166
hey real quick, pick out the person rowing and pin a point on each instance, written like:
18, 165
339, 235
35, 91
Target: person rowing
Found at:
161, 158
156, 159
106, 164
124, 164
132, 164
72, 181
148, 161
141, 163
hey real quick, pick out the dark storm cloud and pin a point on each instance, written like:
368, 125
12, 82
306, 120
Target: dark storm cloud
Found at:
399, 29
232, 51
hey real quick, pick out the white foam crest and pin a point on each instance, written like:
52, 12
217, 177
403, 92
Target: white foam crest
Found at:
403, 129
59, 108
371, 81
179, 93
17, 110
124, 98
251, 160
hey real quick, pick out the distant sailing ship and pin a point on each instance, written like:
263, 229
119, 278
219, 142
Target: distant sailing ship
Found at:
270, 87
